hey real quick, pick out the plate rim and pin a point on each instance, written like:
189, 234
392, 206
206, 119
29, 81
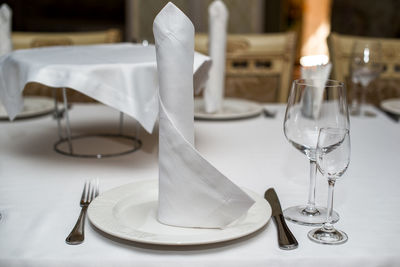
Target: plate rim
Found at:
48, 109
257, 110
384, 105
231, 236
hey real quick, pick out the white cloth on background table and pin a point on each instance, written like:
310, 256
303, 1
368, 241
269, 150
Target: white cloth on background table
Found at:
123, 76
215, 87
192, 193
5, 29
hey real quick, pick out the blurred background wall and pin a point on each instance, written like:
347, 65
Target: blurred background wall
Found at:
373, 18
311, 19
257, 76
135, 17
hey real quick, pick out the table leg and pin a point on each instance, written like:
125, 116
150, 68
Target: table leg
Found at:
68, 126
121, 122
57, 114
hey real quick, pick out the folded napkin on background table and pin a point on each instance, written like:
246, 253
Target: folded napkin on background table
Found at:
192, 193
214, 91
5, 29
318, 75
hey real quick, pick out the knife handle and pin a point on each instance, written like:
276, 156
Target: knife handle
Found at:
286, 239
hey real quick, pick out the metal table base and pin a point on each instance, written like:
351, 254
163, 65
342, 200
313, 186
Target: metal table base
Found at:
69, 139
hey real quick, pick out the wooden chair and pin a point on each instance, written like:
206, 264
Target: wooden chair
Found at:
388, 84
24, 40
259, 67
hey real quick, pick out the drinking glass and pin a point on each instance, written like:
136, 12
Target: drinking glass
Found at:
313, 104
366, 65
333, 158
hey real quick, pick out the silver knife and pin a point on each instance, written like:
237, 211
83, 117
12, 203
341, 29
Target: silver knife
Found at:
286, 239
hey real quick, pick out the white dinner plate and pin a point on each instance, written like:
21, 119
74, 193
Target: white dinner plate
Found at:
129, 212
232, 108
33, 106
391, 105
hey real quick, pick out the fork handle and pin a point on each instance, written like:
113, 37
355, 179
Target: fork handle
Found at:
77, 234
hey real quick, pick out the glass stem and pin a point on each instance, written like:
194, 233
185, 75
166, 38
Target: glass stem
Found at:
355, 102
328, 225
310, 209
363, 99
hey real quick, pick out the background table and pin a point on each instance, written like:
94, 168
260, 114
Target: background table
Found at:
40, 190
121, 75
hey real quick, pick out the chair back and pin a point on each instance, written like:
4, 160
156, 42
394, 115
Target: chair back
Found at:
259, 67
23, 40
388, 83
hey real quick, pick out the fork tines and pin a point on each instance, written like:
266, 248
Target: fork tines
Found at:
90, 191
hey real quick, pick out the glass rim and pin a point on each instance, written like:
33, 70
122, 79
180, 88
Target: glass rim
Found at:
328, 83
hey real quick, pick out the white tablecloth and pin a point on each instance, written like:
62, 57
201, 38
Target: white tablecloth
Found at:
40, 189
123, 76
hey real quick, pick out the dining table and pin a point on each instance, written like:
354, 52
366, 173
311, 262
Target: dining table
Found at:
40, 192
120, 75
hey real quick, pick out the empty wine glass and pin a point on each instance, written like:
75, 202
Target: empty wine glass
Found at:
333, 158
313, 104
365, 67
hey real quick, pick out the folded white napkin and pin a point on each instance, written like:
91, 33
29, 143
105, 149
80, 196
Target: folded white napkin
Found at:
318, 75
192, 193
5, 29
214, 91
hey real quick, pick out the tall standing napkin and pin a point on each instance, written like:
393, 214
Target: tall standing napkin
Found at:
214, 91
318, 74
192, 193
5, 29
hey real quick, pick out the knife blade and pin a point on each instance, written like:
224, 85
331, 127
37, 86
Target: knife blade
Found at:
286, 239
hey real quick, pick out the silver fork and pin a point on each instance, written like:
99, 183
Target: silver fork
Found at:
268, 113
90, 191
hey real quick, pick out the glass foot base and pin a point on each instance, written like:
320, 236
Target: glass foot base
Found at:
328, 237
299, 215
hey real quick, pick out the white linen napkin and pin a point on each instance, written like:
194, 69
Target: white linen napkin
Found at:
192, 193
5, 29
318, 74
214, 91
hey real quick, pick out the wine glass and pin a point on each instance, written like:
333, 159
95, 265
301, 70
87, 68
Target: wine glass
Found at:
313, 104
333, 158
365, 67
